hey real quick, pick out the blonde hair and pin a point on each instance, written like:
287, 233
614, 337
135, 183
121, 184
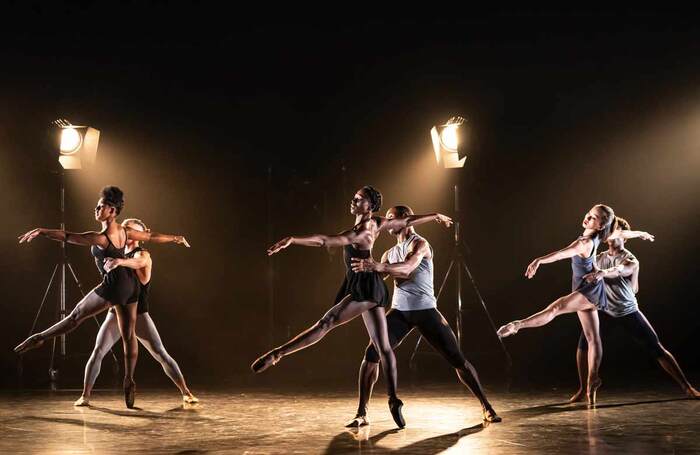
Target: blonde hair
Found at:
135, 221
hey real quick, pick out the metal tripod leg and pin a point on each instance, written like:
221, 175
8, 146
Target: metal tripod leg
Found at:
488, 315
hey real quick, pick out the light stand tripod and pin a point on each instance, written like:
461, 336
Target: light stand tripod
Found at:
61, 266
458, 264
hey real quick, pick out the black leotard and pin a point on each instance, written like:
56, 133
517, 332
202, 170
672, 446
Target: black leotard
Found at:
119, 286
144, 289
362, 286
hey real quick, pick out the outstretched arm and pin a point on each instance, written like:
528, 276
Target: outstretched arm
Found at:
625, 269
419, 249
626, 235
155, 237
75, 238
412, 220
578, 246
139, 261
344, 238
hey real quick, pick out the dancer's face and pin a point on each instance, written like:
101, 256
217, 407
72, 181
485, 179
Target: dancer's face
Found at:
103, 211
593, 219
136, 227
359, 204
390, 215
617, 243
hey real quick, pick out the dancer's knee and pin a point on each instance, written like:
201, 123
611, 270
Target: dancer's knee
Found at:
582, 343
327, 322
657, 350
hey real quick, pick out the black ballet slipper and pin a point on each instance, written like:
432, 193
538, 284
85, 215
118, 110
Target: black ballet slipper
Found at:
129, 393
266, 361
395, 406
490, 415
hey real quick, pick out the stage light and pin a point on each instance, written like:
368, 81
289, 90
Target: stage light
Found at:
450, 142
77, 145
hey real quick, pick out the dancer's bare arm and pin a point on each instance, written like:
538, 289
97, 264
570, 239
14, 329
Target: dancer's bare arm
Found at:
155, 237
625, 269
626, 235
418, 250
318, 240
140, 260
412, 220
581, 245
75, 238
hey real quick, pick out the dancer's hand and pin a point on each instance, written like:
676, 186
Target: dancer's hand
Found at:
363, 265
282, 244
180, 240
594, 276
29, 236
440, 218
111, 264
532, 268
646, 236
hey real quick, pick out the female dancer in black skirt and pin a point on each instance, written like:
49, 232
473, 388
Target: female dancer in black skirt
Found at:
585, 298
119, 288
362, 293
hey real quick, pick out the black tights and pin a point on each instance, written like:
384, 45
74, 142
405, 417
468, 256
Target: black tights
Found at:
435, 329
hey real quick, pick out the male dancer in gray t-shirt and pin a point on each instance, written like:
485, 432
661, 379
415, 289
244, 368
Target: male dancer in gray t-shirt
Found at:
620, 270
413, 305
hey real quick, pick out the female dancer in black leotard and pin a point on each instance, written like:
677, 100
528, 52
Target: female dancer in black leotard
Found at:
361, 293
119, 287
139, 260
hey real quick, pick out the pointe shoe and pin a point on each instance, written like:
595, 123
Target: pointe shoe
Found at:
30, 343
129, 393
592, 392
82, 401
577, 397
509, 329
190, 399
358, 421
395, 406
266, 361
490, 415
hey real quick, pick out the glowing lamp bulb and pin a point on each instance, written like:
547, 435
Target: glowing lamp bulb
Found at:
449, 137
70, 141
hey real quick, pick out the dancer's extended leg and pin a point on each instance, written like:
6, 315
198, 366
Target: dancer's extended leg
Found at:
642, 331
344, 311
568, 304
88, 306
147, 333
438, 333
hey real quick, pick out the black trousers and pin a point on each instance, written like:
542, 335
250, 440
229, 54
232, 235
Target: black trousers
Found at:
431, 325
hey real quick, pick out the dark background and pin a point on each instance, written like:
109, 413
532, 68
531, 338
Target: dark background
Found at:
210, 117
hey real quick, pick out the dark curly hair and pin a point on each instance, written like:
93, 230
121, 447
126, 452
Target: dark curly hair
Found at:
113, 196
374, 196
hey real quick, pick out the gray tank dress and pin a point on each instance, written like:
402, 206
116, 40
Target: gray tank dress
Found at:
594, 292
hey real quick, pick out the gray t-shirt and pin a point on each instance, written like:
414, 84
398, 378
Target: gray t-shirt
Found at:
416, 292
618, 291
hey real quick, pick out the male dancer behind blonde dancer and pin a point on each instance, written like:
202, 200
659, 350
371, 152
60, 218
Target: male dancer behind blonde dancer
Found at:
620, 270
140, 261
